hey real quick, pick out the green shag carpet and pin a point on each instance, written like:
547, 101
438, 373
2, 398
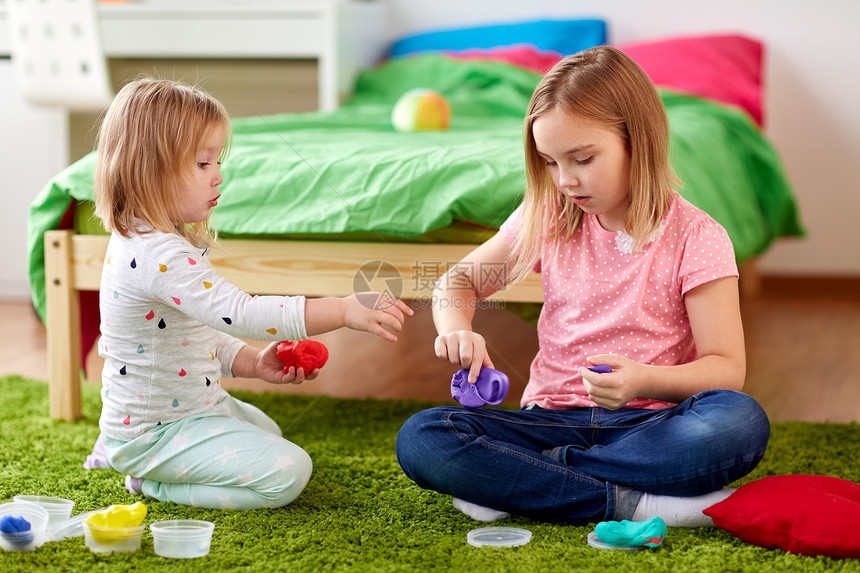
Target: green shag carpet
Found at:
359, 512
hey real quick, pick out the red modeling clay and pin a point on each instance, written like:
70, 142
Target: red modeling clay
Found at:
305, 354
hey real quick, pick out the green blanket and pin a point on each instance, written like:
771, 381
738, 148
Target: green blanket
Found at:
350, 172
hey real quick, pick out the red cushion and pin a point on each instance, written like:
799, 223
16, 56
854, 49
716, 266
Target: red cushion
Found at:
810, 515
727, 69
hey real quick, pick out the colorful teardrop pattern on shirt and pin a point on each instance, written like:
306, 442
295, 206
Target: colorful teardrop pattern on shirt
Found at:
191, 261
185, 342
272, 330
122, 371
207, 285
140, 348
208, 381
127, 420
182, 372
162, 268
161, 324
133, 263
150, 315
175, 403
227, 319
176, 300
116, 294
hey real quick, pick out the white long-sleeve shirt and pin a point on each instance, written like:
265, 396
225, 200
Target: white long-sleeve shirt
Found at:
169, 324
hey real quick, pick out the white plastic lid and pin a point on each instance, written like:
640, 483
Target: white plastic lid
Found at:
595, 541
498, 536
72, 527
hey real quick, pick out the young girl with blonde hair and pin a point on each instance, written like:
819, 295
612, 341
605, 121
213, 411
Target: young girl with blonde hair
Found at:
170, 322
634, 278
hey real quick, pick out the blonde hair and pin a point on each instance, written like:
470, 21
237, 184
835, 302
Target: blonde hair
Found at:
604, 87
147, 147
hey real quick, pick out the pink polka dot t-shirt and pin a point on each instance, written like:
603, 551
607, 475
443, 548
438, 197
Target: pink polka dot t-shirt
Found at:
600, 299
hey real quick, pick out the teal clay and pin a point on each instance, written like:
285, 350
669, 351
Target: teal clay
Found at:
650, 533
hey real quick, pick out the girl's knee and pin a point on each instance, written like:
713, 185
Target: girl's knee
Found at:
419, 427
294, 471
418, 441
736, 414
415, 422
409, 438
747, 413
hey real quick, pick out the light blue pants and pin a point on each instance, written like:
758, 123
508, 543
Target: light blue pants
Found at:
232, 457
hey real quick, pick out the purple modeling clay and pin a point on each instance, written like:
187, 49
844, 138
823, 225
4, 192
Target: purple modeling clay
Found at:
600, 369
490, 388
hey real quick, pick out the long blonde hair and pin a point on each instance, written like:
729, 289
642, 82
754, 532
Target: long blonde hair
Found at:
147, 148
604, 87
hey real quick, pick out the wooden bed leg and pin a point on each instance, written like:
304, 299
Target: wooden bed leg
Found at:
63, 328
750, 279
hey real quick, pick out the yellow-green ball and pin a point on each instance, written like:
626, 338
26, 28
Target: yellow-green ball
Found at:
421, 109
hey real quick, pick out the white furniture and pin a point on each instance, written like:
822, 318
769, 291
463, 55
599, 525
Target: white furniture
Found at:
57, 54
342, 35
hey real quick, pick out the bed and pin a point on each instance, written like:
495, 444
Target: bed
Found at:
331, 203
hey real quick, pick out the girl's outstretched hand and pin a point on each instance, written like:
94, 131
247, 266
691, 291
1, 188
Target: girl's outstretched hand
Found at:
376, 313
270, 368
466, 349
614, 389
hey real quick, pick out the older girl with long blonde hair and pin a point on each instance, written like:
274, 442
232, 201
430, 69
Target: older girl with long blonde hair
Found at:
636, 279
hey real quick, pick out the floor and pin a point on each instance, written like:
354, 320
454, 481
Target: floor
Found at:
802, 353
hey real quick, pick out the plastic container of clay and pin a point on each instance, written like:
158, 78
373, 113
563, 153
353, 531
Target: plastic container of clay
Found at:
112, 539
29, 540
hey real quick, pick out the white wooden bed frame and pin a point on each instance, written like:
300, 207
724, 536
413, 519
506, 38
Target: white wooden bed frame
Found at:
313, 268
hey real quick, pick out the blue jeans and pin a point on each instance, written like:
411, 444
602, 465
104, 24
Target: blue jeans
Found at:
584, 464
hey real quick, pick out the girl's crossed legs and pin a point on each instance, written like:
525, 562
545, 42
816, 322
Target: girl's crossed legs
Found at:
585, 464
230, 458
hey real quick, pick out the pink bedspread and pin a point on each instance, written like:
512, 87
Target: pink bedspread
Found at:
727, 69
723, 68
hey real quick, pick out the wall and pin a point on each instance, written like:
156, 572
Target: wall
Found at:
29, 155
810, 99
